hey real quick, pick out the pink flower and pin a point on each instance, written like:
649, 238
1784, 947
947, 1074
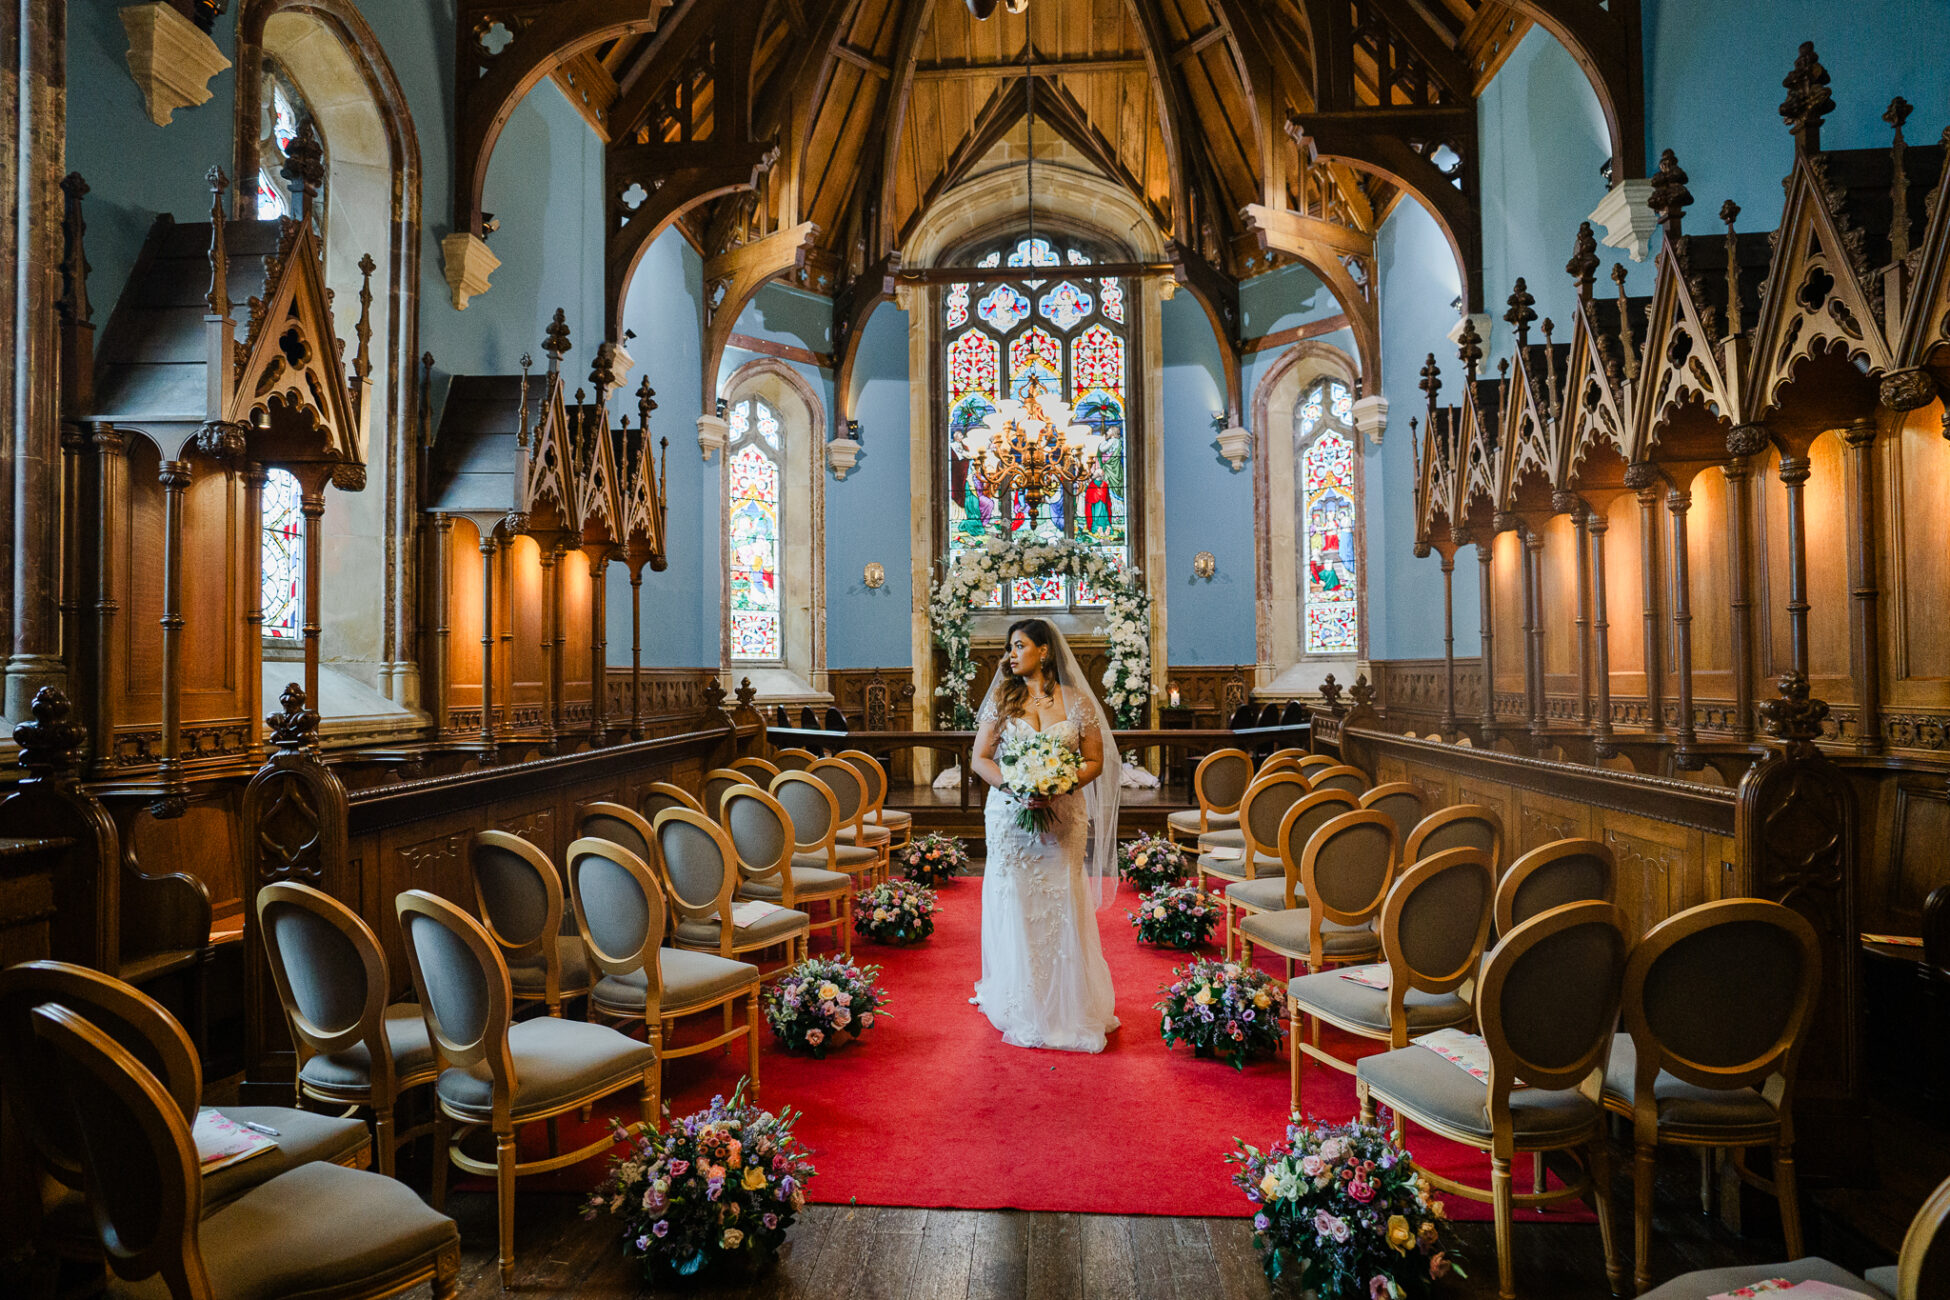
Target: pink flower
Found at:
1330, 1227
1380, 1288
1311, 1166
814, 1037
1361, 1190
1439, 1265
866, 1020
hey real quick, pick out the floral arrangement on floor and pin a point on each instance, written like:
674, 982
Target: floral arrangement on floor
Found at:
822, 1003
714, 1190
1224, 1009
1345, 1206
1151, 862
931, 859
899, 912
1176, 916
1036, 764
976, 571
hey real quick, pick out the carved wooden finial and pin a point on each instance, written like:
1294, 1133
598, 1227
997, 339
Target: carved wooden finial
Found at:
295, 729
1469, 348
1795, 718
1415, 449
1729, 213
1550, 368
1808, 100
1670, 198
49, 743
1502, 368
555, 340
1629, 349
304, 166
602, 372
362, 361
1898, 113
646, 402
74, 260
1362, 691
219, 296
1522, 311
1583, 266
746, 693
1431, 380
713, 694
1330, 695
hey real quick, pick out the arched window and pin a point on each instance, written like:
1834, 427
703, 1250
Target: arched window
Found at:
1070, 333
753, 460
281, 540
283, 107
1324, 449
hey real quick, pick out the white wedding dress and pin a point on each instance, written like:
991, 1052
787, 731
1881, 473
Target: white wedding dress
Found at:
1044, 979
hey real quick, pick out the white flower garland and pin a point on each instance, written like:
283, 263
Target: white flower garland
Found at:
1127, 615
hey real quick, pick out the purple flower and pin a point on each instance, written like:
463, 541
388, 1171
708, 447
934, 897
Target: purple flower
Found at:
1261, 1222
661, 1228
713, 1188
771, 1221
643, 1242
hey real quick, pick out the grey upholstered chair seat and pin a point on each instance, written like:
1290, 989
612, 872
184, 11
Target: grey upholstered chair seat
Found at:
1713, 1281
1232, 838
315, 1231
1235, 868
1291, 928
406, 1034
1685, 1110
869, 834
304, 1137
890, 819
1431, 1085
846, 855
690, 979
530, 978
1187, 820
1267, 893
1351, 1003
555, 1060
805, 880
773, 927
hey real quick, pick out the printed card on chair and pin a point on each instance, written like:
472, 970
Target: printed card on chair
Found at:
1225, 854
1375, 976
751, 912
222, 1142
1799, 1290
1464, 1050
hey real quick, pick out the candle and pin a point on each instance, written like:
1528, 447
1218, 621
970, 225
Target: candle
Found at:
1174, 697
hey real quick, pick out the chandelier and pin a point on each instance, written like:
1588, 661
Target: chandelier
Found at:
1029, 444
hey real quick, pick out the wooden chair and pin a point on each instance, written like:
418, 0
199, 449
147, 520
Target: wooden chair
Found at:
1272, 893
353, 1049
836, 721
1278, 763
1547, 1004
497, 1075
898, 824
520, 901
620, 910
758, 770
1340, 776
1346, 867
815, 817
1218, 782
1405, 803
1312, 763
1260, 810
660, 795
702, 867
716, 782
761, 831
316, 1230
1459, 826
1433, 925
1242, 717
1551, 875
793, 760
1290, 755
850, 793
618, 825
1717, 1001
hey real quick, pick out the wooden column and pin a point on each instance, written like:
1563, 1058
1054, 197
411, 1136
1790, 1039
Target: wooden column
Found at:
311, 506
112, 502
555, 665
1740, 569
1533, 654
175, 479
1644, 483
551, 615
1448, 645
598, 643
443, 544
255, 477
636, 653
1865, 643
1581, 519
1485, 555
1598, 526
1679, 502
488, 548
1794, 475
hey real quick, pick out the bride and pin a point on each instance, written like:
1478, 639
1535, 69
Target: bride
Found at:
1044, 979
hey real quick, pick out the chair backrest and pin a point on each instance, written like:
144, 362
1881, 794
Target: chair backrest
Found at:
761, 835
134, 1019
1262, 809
1293, 714
1269, 715
872, 775
1563, 871
849, 792
757, 769
1346, 869
1220, 780
626, 829
519, 897
1293, 754
143, 1178
1340, 777
1278, 763
808, 720
660, 795
1405, 803
700, 866
1923, 1268
1312, 763
462, 983
1297, 827
716, 782
779, 718
835, 720
619, 910
793, 760
1721, 995
1548, 1001
1243, 716
814, 811
1459, 826
330, 974
1434, 924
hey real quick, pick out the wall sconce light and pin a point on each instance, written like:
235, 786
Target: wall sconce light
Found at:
875, 576
1204, 565
843, 452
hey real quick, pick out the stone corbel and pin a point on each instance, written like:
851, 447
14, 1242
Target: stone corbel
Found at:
171, 59
465, 258
1371, 417
843, 452
713, 432
1234, 445
1626, 214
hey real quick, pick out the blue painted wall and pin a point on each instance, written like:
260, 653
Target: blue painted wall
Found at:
1282, 299
868, 517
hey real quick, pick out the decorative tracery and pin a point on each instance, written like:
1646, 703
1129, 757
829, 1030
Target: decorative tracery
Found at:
1325, 450
753, 461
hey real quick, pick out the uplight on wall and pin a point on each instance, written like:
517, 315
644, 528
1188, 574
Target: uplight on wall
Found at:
875, 575
1204, 565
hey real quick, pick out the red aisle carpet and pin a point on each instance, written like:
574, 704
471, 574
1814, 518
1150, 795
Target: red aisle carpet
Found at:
930, 1109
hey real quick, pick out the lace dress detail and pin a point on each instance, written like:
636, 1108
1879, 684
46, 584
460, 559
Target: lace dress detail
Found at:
1044, 979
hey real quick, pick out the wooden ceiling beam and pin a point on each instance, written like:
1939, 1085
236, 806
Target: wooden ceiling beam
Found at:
1429, 46
863, 61
1081, 66
1172, 116
915, 17
656, 64
1198, 42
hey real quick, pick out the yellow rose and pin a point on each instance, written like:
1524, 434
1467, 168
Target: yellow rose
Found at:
1399, 1235
1141, 859
1269, 1185
1261, 1001
828, 992
1158, 912
1203, 997
755, 1179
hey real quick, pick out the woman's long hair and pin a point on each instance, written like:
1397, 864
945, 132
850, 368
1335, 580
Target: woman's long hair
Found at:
1015, 690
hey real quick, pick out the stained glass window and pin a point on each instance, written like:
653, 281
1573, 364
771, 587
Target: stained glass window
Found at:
282, 544
1071, 335
752, 541
283, 105
1326, 446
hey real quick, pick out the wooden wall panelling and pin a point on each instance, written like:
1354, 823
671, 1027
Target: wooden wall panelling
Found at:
575, 639
673, 698
1559, 580
523, 625
1410, 692
1915, 572
1512, 638
1828, 631
1623, 599
1903, 858
1712, 597
462, 618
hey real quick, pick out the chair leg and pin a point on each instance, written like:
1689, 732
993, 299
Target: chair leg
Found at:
1500, 1191
554, 1136
1601, 1197
446, 1275
653, 1033
1784, 1187
1706, 1180
751, 1037
442, 1156
1294, 1054
1366, 1100
504, 1195
1644, 1163
1537, 1171
382, 1138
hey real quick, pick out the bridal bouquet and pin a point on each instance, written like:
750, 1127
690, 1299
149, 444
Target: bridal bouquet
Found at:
1036, 764
932, 858
899, 911
1177, 916
1224, 1009
713, 1190
822, 1002
1344, 1204
1151, 862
